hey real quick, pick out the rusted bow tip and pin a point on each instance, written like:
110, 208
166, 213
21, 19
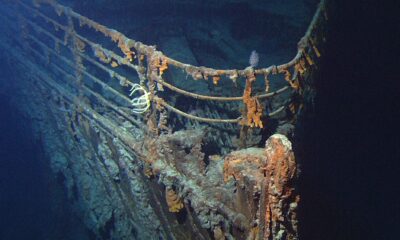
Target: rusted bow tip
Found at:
278, 139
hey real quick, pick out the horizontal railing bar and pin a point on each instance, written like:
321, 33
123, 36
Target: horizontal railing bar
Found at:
209, 120
43, 77
165, 104
72, 65
197, 96
112, 128
98, 96
110, 53
149, 50
93, 61
187, 115
193, 117
214, 98
176, 89
92, 44
177, 111
105, 69
46, 18
63, 72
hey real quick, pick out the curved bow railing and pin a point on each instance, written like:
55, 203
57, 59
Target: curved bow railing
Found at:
150, 64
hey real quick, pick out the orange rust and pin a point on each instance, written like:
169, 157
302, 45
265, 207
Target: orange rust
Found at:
229, 171
309, 60
141, 57
115, 36
238, 164
287, 74
102, 56
216, 79
130, 55
159, 64
299, 68
221, 72
243, 168
316, 51
174, 202
281, 171
288, 77
253, 106
295, 84
163, 66
114, 64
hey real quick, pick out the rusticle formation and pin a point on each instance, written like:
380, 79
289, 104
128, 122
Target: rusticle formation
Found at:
150, 147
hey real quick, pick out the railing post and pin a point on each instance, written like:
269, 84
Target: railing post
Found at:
279, 199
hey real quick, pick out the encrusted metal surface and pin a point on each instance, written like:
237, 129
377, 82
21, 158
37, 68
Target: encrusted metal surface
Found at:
133, 162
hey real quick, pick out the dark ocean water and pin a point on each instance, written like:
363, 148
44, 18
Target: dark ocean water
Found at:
25, 196
33, 205
348, 185
350, 177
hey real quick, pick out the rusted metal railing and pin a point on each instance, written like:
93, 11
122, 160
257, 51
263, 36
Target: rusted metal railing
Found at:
150, 64
89, 81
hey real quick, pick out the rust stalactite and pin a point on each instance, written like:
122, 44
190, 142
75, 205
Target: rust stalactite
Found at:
280, 199
254, 110
162, 162
174, 202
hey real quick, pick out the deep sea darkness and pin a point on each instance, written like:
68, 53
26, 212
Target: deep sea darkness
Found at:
32, 205
24, 191
349, 181
350, 178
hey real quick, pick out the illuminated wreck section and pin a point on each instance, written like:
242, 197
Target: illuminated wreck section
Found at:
136, 164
